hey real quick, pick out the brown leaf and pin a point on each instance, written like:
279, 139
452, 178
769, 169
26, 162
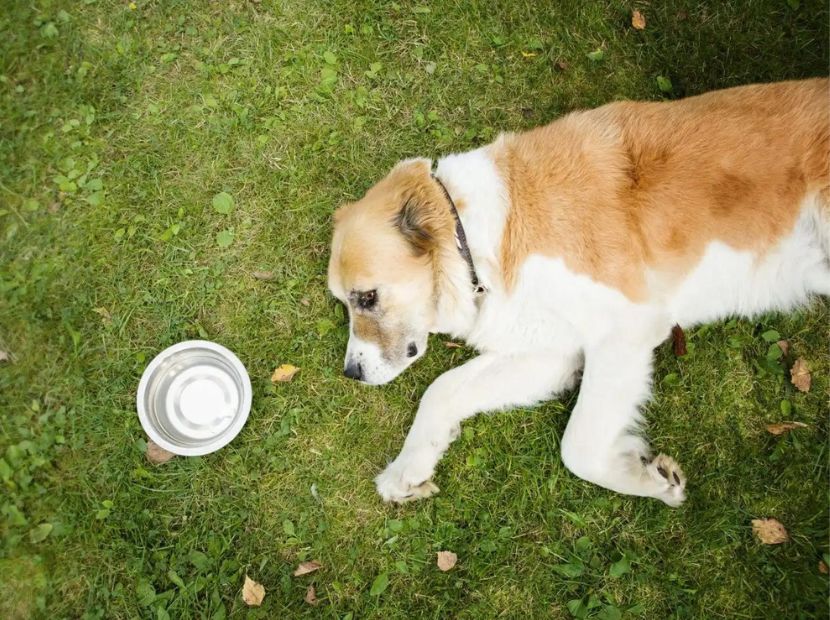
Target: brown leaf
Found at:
4, 356
105, 315
266, 276
284, 373
307, 567
311, 596
305, 302
783, 427
252, 592
156, 454
770, 531
446, 560
452, 345
561, 65
800, 375
822, 567
638, 20
784, 345
678, 340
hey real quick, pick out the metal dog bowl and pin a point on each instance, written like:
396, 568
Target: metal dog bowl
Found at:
194, 398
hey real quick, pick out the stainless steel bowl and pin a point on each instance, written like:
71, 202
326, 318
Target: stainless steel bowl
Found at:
194, 398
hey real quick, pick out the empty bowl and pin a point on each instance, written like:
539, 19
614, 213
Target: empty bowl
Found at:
194, 398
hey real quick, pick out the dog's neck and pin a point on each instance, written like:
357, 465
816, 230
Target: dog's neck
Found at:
461, 241
474, 185
456, 303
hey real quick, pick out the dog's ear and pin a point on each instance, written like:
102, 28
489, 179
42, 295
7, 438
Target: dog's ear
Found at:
420, 216
413, 222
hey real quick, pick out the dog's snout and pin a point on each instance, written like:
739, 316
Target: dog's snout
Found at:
354, 370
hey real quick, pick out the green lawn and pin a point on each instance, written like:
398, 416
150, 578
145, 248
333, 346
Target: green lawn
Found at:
119, 122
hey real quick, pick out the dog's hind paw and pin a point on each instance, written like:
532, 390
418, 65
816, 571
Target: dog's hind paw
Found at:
401, 484
410, 493
665, 471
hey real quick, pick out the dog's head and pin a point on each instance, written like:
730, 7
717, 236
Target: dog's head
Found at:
383, 268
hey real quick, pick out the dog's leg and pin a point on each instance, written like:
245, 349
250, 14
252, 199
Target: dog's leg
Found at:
601, 442
486, 383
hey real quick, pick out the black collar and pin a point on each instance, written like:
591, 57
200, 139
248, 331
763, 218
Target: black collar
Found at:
461, 240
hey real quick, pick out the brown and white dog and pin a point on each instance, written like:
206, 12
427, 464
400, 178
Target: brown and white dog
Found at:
579, 245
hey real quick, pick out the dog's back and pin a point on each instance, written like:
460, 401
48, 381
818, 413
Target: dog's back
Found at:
632, 189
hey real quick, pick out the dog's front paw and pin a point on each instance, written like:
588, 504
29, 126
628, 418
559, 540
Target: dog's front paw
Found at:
405, 480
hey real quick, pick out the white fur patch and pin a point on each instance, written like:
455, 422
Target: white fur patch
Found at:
730, 282
473, 178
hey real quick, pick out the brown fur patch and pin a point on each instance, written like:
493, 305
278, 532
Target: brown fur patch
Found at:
409, 200
631, 187
368, 329
410, 222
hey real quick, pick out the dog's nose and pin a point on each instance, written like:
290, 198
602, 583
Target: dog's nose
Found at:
354, 370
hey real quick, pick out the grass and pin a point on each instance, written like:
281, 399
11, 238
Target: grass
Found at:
118, 125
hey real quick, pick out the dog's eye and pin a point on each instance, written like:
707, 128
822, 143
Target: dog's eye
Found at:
367, 299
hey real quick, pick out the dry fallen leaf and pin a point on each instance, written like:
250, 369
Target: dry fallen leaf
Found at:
770, 531
561, 65
4, 356
678, 340
452, 345
311, 596
307, 567
284, 373
252, 592
784, 345
822, 567
783, 427
446, 560
305, 302
800, 375
638, 20
105, 315
263, 275
156, 454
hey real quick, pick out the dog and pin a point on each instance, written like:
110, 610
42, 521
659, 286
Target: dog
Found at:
577, 246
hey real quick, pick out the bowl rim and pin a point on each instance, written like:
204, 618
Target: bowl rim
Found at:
221, 440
